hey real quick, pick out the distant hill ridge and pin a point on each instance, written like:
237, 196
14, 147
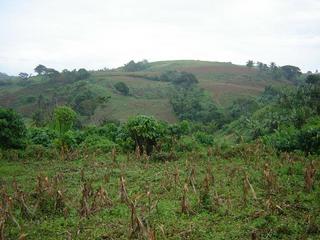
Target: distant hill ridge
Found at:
224, 81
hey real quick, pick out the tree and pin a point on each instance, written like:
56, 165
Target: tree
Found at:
291, 72
313, 79
250, 63
122, 88
243, 107
13, 130
24, 76
40, 69
260, 66
82, 74
184, 79
133, 67
64, 118
52, 74
275, 71
145, 131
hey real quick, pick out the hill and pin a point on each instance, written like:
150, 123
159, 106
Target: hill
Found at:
223, 81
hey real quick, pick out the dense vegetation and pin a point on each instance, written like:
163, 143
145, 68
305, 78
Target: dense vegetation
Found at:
246, 170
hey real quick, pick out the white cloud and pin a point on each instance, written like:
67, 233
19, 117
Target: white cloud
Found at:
98, 33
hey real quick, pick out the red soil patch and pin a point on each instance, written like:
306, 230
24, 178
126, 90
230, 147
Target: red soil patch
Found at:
219, 69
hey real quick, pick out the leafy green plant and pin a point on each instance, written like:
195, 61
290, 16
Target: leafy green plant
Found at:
145, 131
96, 142
186, 144
12, 129
64, 118
122, 88
42, 136
204, 138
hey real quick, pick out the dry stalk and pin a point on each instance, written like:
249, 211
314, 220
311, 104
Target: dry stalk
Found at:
114, 155
139, 225
184, 201
176, 176
309, 176
209, 152
123, 191
246, 187
100, 200
6, 205
138, 152
270, 179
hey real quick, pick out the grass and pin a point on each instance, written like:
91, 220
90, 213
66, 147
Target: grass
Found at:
225, 209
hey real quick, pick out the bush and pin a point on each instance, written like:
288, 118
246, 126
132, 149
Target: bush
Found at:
122, 88
186, 144
309, 137
64, 118
13, 131
95, 142
67, 139
145, 131
204, 139
42, 136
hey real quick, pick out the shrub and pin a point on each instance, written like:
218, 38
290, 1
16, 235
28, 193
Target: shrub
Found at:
309, 137
186, 144
204, 139
284, 139
64, 118
95, 142
145, 131
13, 130
67, 139
122, 88
42, 136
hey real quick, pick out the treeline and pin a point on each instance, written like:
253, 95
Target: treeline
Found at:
288, 119
142, 133
288, 72
133, 66
54, 75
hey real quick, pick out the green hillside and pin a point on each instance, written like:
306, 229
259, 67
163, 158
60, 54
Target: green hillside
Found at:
223, 81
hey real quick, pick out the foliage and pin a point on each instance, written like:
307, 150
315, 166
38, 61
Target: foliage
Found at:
309, 137
133, 66
291, 72
194, 105
186, 144
41, 136
204, 138
40, 69
122, 88
64, 118
13, 130
145, 131
242, 107
96, 142
24, 76
67, 140
250, 63
179, 79
179, 129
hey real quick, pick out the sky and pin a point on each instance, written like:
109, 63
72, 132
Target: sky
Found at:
69, 34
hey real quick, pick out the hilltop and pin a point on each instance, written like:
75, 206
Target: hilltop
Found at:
223, 81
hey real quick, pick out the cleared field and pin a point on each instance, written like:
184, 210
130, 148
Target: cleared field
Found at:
248, 192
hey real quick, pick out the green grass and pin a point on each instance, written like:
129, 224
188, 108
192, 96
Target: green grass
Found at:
285, 212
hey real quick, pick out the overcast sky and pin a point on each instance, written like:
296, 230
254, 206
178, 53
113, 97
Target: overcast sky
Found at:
108, 33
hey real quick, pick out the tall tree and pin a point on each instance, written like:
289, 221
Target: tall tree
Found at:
250, 63
40, 69
291, 72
